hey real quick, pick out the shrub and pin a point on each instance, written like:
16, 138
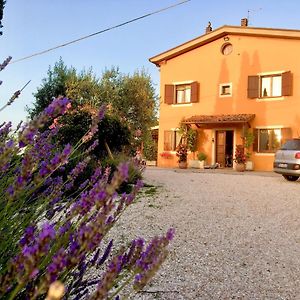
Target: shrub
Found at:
36, 184
201, 156
150, 149
240, 157
181, 153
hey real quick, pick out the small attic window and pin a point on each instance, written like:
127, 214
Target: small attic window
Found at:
226, 48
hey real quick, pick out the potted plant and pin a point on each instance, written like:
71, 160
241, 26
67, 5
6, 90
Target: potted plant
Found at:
248, 142
201, 158
181, 153
239, 158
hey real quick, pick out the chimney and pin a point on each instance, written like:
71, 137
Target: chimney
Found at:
208, 29
244, 22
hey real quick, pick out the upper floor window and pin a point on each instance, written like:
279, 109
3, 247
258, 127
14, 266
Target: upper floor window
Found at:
268, 140
225, 90
269, 86
182, 93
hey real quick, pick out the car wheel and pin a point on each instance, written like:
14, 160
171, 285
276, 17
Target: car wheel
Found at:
290, 177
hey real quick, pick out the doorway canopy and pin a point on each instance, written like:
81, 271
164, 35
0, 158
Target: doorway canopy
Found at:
213, 120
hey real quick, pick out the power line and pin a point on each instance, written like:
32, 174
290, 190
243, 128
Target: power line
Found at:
99, 32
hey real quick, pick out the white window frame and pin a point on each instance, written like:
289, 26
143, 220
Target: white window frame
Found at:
271, 75
178, 83
222, 86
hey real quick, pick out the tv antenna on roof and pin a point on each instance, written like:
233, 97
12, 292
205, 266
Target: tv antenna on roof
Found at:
252, 11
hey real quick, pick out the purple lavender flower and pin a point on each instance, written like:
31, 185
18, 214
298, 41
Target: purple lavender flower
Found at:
101, 112
59, 261
170, 234
14, 97
28, 235
5, 63
47, 232
5, 129
96, 175
64, 228
106, 254
57, 107
123, 168
10, 143
93, 146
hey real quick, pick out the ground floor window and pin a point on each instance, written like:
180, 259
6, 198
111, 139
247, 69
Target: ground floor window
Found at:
171, 140
269, 140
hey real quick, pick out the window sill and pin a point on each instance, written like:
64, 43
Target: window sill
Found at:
264, 153
181, 105
225, 96
270, 99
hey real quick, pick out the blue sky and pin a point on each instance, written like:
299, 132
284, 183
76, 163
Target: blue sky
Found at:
34, 25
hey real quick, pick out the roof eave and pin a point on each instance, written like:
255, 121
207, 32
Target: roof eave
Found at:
221, 32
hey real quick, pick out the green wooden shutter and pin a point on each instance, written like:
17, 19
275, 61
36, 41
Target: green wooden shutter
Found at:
287, 84
253, 87
194, 92
169, 93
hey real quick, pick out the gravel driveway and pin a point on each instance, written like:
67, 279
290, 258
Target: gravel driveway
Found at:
237, 235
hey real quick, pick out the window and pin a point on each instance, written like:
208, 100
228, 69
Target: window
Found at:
270, 86
171, 140
183, 93
268, 140
226, 49
225, 90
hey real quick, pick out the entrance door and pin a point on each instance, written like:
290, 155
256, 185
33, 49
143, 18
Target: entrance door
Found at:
224, 147
220, 147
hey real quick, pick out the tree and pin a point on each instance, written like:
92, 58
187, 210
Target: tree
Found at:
52, 86
82, 88
130, 97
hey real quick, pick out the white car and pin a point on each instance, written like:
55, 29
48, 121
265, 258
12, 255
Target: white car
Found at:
287, 160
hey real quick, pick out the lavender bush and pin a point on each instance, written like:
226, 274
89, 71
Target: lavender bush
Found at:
53, 228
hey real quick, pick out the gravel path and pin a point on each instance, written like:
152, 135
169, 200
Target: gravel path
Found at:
237, 235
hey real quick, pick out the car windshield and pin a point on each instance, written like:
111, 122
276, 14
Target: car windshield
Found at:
291, 145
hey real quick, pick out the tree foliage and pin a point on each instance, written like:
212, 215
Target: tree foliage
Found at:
64, 81
130, 98
112, 132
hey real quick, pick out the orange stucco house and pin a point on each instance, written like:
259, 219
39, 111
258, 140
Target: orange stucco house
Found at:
228, 81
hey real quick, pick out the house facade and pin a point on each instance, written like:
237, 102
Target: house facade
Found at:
225, 83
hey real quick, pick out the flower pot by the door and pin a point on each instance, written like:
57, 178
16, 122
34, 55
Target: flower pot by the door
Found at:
249, 165
240, 167
182, 165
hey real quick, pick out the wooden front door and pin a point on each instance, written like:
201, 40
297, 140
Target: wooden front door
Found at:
220, 147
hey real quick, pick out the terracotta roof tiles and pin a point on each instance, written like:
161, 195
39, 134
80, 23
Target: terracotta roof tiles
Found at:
213, 119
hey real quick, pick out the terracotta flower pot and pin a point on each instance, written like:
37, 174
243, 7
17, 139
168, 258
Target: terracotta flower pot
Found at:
182, 164
240, 167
